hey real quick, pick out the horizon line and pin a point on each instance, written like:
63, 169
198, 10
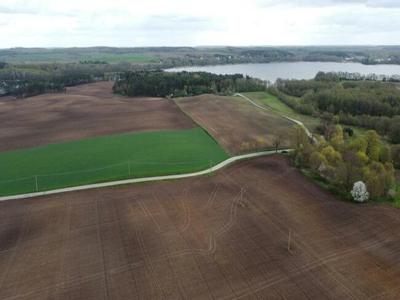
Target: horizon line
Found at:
203, 46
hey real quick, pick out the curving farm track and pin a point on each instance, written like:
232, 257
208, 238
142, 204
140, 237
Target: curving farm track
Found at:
308, 132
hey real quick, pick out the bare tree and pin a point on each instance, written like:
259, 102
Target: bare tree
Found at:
277, 140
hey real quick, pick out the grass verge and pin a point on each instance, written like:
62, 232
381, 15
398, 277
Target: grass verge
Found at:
396, 201
107, 158
325, 184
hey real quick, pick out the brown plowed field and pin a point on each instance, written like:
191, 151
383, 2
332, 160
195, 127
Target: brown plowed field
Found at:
236, 124
84, 111
216, 237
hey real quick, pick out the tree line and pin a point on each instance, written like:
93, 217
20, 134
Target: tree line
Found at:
25, 80
338, 76
181, 84
369, 104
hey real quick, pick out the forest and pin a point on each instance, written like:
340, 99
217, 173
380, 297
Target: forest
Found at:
182, 84
369, 104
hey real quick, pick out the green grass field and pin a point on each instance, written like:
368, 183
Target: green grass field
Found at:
133, 58
77, 55
273, 102
107, 158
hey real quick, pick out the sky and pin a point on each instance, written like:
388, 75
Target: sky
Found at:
133, 23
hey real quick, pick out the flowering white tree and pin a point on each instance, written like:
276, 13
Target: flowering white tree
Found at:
359, 192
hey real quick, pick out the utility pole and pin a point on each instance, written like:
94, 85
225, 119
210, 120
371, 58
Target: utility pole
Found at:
36, 182
289, 240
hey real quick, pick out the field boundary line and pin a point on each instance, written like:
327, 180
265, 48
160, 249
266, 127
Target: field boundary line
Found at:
145, 179
199, 125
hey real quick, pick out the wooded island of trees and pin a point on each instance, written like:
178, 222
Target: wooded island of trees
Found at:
342, 160
181, 84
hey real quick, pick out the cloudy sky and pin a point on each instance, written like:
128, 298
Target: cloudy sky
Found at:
56, 23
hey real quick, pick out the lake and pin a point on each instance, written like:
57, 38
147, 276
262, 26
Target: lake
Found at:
294, 70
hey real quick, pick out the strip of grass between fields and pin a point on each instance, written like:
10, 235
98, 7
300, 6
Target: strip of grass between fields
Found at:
278, 106
271, 101
107, 158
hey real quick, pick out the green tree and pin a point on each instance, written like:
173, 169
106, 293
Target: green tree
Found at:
348, 132
385, 154
318, 161
358, 144
396, 155
379, 178
337, 137
373, 145
332, 156
350, 169
394, 132
301, 137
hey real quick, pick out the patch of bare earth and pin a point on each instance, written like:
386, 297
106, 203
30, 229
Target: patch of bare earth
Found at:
236, 124
216, 237
84, 111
